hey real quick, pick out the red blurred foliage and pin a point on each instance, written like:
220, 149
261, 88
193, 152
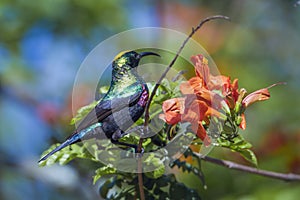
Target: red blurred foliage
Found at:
52, 114
272, 142
49, 112
73, 103
182, 17
280, 143
294, 165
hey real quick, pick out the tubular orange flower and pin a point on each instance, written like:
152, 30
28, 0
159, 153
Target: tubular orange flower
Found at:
201, 68
195, 87
243, 122
192, 86
258, 95
198, 101
205, 95
183, 110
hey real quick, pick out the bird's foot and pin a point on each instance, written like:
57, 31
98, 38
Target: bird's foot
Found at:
139, 154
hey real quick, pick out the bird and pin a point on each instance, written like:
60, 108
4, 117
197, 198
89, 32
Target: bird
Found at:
119, 109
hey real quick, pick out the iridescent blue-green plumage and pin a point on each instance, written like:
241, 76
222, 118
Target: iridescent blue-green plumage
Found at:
123, 104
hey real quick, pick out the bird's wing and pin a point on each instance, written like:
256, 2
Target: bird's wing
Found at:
105, 108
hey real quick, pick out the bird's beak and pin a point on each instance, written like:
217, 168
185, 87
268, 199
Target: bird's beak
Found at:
148, 54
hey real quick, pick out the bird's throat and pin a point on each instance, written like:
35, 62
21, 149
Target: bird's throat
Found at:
125, 83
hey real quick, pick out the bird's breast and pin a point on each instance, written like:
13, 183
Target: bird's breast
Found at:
144, 97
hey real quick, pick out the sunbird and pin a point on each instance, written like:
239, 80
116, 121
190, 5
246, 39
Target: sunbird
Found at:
121, 106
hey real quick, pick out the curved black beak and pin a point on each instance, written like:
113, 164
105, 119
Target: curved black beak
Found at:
148, 54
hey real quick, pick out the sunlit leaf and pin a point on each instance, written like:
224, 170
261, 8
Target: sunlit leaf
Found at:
248, 155
66, 155
103, 171
240, 145
158, 172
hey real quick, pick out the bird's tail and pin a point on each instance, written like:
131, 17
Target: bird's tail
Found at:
71, 140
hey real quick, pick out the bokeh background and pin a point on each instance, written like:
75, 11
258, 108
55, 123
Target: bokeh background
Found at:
42, 44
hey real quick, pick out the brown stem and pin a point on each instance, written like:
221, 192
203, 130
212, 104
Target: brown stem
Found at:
232, 165
147, 116
140, 179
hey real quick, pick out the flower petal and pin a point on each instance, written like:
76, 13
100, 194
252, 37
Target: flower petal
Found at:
258, 95
219, 82
243, 122
192, 86
235, 89
195, 110
201, 67
173, 110
199, 130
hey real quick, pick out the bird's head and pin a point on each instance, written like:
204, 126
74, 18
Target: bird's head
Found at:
127, 60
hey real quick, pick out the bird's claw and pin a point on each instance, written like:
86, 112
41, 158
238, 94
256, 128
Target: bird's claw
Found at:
139, 154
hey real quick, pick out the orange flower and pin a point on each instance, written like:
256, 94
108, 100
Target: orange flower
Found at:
205, 85
205, 96
194, 87
201, 68
197, 106
173, 109
183, 110
243, 122
258, 95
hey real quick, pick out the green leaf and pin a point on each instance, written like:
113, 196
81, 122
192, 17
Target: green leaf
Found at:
155, 162
248, 155
240, 145
66, 155
103, 171
65, 158
156, 173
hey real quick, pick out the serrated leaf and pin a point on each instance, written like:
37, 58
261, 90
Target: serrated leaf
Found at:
240, 145
156, 173
65, 155
103, 171
65, 158
248, 155
52, 159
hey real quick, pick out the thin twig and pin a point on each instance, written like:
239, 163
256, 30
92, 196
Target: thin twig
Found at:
147, 116
140, 179
232, 165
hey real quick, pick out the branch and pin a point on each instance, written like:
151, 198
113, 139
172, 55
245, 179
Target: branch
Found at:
147, 116
140, 179
252, 170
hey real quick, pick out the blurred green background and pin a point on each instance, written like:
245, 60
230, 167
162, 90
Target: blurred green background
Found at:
42, 44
